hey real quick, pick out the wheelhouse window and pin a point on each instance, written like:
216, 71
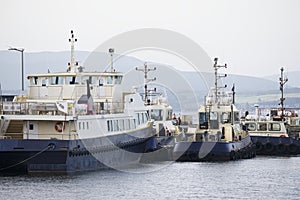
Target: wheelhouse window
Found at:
44, 81
118, 79
34, 80
156, 114
213, 116
56, 80
274, 127
101, 82
226, 117
262, 126
109, 80
169, 116
203, 120
236, 116
71, 80
251, 126
84, 80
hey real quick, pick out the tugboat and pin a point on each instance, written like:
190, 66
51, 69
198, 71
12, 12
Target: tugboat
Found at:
219, 135
278, 135
71, 122
166, 127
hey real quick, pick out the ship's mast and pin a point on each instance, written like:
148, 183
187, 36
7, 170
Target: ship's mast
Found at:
111, 51
146, 69
72, 64
282, 81
217, 77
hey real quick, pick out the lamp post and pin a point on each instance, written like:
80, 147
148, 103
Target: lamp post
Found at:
22, 63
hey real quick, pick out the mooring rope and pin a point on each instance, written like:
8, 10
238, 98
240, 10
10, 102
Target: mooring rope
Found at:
38, 153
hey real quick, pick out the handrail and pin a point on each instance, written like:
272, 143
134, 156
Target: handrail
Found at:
35, 108
55, 136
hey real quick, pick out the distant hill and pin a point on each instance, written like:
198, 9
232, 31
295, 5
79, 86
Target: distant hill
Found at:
293, 78
243, 84
249, 90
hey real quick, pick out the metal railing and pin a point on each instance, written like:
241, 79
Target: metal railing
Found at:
60, 136
36, 108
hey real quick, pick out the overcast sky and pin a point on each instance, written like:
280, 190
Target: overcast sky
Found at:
254, 37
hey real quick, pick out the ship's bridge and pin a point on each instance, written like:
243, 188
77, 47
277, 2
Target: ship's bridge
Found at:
70, 85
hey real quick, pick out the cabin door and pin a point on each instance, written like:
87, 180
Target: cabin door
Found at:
44, 88
32, 130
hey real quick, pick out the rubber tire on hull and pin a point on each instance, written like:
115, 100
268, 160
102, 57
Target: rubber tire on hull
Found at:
281, 148
258, 146
292, 148
233, 155
269, 147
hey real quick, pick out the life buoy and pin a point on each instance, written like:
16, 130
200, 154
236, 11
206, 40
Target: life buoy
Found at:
59, 126
269, 147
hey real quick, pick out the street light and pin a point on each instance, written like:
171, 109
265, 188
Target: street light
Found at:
22, 62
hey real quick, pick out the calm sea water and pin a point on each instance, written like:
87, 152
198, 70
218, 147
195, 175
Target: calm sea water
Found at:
258, 178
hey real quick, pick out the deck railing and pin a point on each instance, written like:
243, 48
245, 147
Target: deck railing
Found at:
35, 108
55, 136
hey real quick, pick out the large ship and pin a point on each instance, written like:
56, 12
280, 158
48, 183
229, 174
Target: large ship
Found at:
72, 121
219, 135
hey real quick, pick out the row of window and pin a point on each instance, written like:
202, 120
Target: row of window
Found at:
83, 125
141, 118
263, 126
214, 118
158, 114
120, 124
126, 124
70, 80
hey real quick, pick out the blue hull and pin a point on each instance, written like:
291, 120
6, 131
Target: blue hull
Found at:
67, 156
213, 151
276, 145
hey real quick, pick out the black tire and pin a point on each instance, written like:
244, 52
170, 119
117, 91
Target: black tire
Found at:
281, 148
292, 148
232, 155
258, 146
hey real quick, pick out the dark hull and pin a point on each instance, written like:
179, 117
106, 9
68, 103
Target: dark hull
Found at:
276, 145
162, 150
67, 156
213, 151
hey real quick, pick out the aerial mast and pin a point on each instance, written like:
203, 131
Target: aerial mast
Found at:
216, 67
111, 51
282, 81
146, 69
72, 64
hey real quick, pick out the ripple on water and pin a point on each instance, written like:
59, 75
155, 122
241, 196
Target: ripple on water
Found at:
259, 178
